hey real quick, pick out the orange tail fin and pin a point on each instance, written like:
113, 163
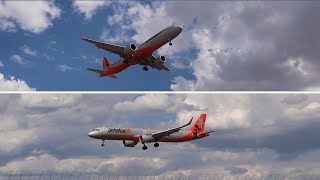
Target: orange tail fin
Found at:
105, 63
198, 128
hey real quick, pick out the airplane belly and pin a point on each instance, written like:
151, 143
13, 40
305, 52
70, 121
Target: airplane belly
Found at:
175, 138
116, 136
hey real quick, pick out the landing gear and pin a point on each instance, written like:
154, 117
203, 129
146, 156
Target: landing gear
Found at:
144, 147
102, 143
170, 43
145, 68
125, 61
156, 145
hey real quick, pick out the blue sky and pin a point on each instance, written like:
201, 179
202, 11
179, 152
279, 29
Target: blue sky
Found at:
241, 45
60, 45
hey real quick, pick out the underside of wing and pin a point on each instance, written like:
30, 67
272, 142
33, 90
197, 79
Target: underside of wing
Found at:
161, 134
158, 65
164, 67
108, 47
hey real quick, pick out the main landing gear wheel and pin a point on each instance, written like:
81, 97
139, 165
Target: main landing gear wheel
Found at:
102, 143
145, 68
125, 61
170, 43
144, 147
156, 144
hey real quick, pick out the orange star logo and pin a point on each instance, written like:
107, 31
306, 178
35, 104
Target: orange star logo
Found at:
128, 130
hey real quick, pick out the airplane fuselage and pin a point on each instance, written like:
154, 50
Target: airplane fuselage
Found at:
144, 50
133, 134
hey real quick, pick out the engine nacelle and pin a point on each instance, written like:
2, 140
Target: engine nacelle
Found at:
146, 139
130, 49
160, 60
129, 143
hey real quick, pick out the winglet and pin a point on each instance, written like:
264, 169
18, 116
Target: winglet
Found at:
187, 123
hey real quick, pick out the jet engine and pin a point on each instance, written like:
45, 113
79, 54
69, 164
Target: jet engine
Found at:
130, 49
146, 138
129, 143
160, 60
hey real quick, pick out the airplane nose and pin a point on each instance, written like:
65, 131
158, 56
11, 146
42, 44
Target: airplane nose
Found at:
90, 134
179, 29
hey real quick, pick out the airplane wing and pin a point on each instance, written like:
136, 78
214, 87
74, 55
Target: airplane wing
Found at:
151, 59
108, 47
161, 134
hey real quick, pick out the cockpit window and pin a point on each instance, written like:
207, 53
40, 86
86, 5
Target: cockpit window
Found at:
95, 130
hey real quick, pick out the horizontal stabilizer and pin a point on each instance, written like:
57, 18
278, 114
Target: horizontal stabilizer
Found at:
205, 133
112, 76
95, 70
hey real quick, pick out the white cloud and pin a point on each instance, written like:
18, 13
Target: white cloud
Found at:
23, 13
58, 125
6, 25
28, 51
64, 68
18, 59
236, 46
13, 84
88, 7
115, 38
52, 100
16, 139
1, 64
160, 102
140, 18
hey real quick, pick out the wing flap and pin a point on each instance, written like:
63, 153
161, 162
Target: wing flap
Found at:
108, 47
164, 67
161, 134
151, 59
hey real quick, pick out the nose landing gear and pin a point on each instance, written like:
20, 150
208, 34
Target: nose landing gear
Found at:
144, 147
102, 143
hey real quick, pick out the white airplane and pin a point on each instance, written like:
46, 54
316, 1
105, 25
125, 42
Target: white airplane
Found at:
131, 55
132, 136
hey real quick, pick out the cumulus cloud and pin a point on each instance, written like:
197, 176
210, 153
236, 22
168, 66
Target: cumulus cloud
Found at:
254, 134
88, 8
237, 45
109, 37
13, 84
22, 13
160, 102
6, 25
263, 55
